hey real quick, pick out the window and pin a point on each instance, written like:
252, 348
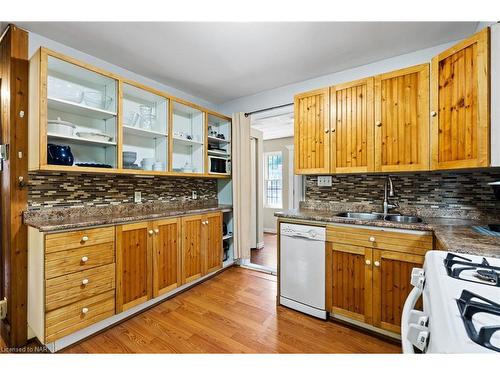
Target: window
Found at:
273, 179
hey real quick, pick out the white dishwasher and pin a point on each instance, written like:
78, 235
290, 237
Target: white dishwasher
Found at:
302, 268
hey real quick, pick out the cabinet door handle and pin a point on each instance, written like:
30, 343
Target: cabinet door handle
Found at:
150, 231
376, 263
85, 259
372, 239
433, 113
368, 262
85, 310
157, 231
327, 131
85, 238
85, 281
378, 123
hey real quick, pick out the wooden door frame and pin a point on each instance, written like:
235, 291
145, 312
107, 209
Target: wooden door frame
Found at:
14, 72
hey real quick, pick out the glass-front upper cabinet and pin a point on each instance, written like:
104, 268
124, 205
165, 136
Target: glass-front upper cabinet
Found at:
219, 145
144, 126
188, 139
81, 116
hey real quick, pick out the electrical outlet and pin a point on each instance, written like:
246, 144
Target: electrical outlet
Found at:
3, 308
137, 197
194, 195
324, 180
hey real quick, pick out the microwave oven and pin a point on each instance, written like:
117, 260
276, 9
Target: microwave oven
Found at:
219, 165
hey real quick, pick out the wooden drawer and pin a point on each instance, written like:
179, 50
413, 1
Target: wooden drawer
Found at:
418, 242
78, 239
74, 260
78, 315
64, 290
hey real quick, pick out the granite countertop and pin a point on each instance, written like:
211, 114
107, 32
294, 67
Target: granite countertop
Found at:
456, 235
61, 219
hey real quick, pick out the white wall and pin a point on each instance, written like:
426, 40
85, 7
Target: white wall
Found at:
279, 144
36, 41
285, 94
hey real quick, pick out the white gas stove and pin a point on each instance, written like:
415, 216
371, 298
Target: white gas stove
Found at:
461, 305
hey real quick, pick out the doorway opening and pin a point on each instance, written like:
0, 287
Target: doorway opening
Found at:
274, 187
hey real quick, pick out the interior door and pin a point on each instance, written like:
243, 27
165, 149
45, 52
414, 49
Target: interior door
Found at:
166, 256
391, 286
212, 239
312, 132
402, 120
133, 264
192, 256
349, 281
460, 123
351, 106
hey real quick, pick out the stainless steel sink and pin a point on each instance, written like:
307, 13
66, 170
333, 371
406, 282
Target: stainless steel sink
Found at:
403, 219
361, 215
374, 216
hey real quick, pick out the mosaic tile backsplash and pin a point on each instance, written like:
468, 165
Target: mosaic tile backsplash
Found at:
425, 191
51, 189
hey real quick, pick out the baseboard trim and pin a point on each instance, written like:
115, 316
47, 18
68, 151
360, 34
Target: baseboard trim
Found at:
270, 230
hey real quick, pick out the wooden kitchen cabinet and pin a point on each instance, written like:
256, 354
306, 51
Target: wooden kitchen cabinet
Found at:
166, 256
460, 121
192, 248
134, 243
312, 132
201, 245
351, 106
368, 272
349, 272
401, 120
391, 285
213, 242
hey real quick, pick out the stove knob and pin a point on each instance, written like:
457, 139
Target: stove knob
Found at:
418, 335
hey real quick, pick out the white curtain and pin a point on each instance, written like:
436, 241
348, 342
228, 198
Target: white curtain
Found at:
241, 185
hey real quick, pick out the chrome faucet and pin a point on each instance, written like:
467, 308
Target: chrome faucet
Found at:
388, 185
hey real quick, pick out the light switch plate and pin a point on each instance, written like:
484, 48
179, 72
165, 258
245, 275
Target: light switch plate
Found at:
324, 180
194, 195
137, 197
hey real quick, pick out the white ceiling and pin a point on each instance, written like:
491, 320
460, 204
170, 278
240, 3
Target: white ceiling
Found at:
220, 61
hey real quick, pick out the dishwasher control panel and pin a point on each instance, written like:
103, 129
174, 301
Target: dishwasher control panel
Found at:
304, 231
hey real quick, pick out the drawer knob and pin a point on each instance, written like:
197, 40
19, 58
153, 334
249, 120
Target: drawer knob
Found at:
85, 281
85, 238
85, 259
150, 231
85, 310
376, 263
433, 113
378, 123
368, 262
372, 239
157, 231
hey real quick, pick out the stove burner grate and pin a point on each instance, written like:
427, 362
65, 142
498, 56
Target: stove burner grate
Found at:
485, 273
468, 308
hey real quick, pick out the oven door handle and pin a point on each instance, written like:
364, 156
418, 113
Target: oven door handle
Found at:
410, 303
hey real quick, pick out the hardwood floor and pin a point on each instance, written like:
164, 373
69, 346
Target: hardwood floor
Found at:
267, 256
234, 312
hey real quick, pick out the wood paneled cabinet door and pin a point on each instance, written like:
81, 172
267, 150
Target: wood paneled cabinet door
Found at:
351, 106
133, 264
192, 248
460, 124
312, 132
212, 239
349, 281
402, 120
391, 286
166, 255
